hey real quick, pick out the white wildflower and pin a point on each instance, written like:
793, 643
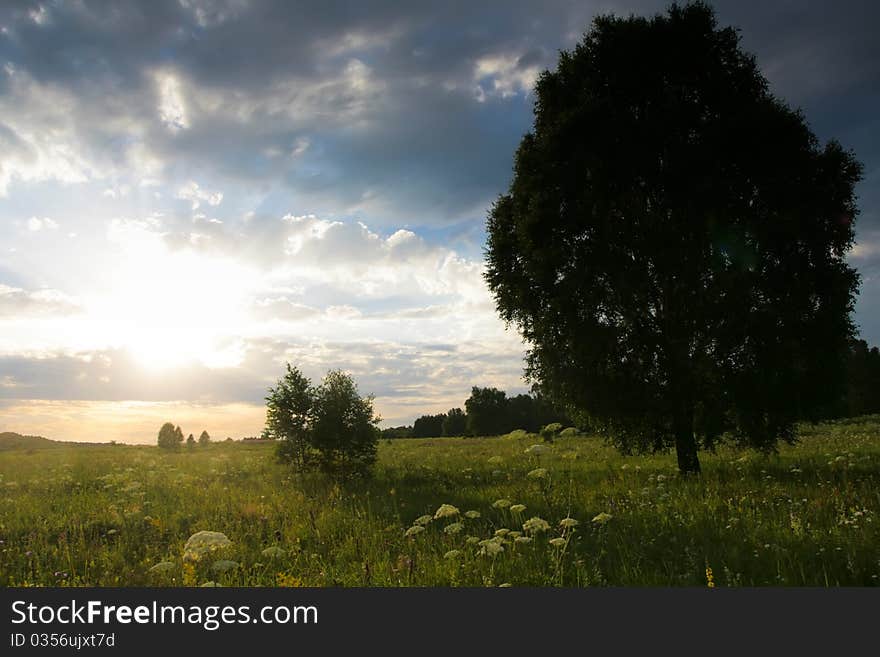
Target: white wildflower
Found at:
535, 524
557, 542
415, 529
517, 508
453, 528
473, 515
445, 511
204, 542
491, 547
568, 523
602, 518
501, 504
538, 473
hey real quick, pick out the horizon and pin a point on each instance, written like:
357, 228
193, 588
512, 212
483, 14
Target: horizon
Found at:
193, 194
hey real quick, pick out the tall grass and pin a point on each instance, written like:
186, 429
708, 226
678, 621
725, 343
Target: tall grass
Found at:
106, 516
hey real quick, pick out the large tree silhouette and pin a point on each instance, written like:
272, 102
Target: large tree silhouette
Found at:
672, 244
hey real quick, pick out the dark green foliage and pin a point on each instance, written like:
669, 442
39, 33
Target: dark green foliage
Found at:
672, 244
397, 432
490, 412
454, 422
190, 441
343, 427
487, 412
532, 412
428, 426
863, 380
169, 437
204, 439
329, 427
288, 417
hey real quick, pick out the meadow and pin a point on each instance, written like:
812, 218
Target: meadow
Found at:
448, 512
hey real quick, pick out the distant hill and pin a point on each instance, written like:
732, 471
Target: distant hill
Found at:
11, 440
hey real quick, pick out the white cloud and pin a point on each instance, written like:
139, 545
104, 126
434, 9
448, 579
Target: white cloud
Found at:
503, 75
35, 224
195, 195
171, 106
17, 303
39, 144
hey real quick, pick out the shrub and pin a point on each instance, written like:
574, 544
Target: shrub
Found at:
330, 427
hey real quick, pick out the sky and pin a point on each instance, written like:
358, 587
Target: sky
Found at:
194, 192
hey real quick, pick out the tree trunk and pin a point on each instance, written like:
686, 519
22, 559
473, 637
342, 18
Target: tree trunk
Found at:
685, 444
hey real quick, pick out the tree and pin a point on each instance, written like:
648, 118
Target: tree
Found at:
863, 380
288, 417
672, 243
330, 426
204, 439
178, 435
343, 427
454, 422
168, 437
190, 441
487, 412
428, 426
397, 432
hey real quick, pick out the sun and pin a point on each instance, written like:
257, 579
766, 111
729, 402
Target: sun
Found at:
173, 308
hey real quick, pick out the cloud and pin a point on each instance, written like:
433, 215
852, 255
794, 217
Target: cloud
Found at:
19, 303
35, 224
255, 182
508, 74
194, 194
399, 374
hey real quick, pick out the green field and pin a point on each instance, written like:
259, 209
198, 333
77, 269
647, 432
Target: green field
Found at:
107, 515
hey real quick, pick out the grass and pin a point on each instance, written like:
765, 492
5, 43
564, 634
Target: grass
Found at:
106, 515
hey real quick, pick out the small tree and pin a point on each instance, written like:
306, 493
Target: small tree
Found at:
204, 439
168, 437
190, 441
288, 417
343, 430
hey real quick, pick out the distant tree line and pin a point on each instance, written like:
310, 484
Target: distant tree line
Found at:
487, 412
862, 381
171, 437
